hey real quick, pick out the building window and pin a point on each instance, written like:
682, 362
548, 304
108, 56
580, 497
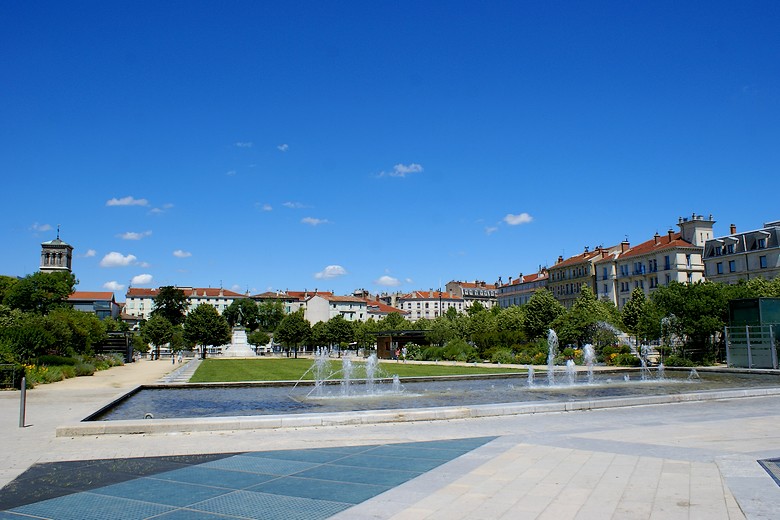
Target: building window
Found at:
718, 251
762, 243
732, 266
762, 262
730, 249
605, 288
719, 267
667, 263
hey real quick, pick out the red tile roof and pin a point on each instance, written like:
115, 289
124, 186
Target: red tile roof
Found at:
333, 298
429, 295
377, 307
198, 292
476, 285
585, 257
657, 243
91, 296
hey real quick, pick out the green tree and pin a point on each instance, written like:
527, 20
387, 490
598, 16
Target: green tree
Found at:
510, 325
28, 337
441, 330
294, 330
393, 321
242, 312
258, 338
340, 331
540, 313
475, 308
700, 310
364, 334
77, 332
40, 292
171, 303
205, 326
319, 335
270, 314
632, 313
580, 324
5, 284
157, 331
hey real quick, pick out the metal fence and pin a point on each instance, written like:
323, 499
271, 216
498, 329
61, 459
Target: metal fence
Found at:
752, 346
10, 375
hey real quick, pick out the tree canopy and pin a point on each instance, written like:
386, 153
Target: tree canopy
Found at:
40, 292
205, 326
171, 303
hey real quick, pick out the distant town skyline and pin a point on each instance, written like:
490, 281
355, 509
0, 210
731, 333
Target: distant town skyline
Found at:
385, 146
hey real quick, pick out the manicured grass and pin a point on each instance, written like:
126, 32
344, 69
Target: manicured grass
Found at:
233, 370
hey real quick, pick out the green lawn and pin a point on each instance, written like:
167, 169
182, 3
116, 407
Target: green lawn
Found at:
232, 370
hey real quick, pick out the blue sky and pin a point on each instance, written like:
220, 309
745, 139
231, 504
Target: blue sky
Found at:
379, 145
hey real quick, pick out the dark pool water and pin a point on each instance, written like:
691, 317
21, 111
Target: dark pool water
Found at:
223, 401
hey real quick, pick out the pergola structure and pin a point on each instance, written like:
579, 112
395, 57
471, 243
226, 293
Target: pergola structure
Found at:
388, 341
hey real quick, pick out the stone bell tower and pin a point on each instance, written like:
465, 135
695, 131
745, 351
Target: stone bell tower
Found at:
56, 255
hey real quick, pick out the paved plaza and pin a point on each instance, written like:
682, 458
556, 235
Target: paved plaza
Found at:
685, 460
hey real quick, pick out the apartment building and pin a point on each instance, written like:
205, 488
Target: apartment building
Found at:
519, 290
567, 276
675, 256
324, 306
476, 291
745, 255
429, 304
139, 301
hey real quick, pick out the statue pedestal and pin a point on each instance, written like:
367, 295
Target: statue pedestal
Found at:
239, 347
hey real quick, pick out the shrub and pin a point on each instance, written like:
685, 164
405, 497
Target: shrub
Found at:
68, 371
52, 361
678, 361
432, 354
84, 369
626, 360
459, 350
504, 356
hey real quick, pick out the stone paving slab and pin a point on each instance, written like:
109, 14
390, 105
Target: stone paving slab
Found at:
681, 460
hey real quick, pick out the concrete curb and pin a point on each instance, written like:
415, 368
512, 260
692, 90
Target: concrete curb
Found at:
151, 426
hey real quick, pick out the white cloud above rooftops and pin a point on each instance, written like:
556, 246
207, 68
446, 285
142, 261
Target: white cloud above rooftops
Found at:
141, 279
331, 271
114, 259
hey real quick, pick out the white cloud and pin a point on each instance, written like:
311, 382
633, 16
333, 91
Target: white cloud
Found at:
314, 221
267, 207
127, 201
283, 147
141, 279
181, 254
40, 227
230, 173
90, 253
332, 271
387, 281
113, 286
490, 230
402, 170
293, 205
144, 264
131, 235
114, 259
409, 281
515, 220
244, 144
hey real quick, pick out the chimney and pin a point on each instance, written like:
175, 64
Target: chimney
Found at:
624, 246
560, 259
510, 280
586, 249
732, 229
656, 237
670, 233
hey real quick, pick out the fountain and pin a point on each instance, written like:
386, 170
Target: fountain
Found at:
530, 376
552, 350
644, 372
589, 357
571, 372
661, 375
